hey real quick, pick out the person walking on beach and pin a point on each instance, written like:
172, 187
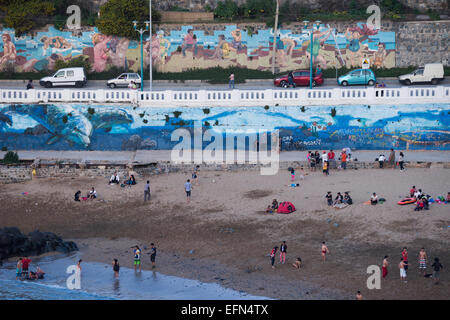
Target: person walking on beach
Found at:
116, 267
153, 254
384, 268
405, 258
147, 191
437, 266
324, 251
401, 161
359, 295
272, 256
188, 188
391, 159
137, 257
231, 82
283, 251
423, 261
401, 266
195, 175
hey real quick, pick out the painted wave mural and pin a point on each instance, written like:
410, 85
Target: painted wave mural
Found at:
81, 127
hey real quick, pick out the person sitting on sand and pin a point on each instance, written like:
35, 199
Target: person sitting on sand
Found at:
131, 180
347, 199
114, 178
374, 199
381, 160
419, 205
272, 208
298, 263
77, 195
329, 197
418, 194
448, 197
92, 194
412, 191
339, 199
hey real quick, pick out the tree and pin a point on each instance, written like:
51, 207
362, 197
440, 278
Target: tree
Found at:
24, 15
226, 10
117, 16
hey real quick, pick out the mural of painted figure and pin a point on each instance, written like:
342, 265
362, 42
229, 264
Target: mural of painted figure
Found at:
222, 50
355, 36
380, 56
55, 44
319, 39
285, 46
101, 50
236, 44
9, 50
190, 41
156, 54
48, 63
118, 51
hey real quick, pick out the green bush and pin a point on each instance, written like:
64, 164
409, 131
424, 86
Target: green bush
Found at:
226, 10
11, 157
81, 61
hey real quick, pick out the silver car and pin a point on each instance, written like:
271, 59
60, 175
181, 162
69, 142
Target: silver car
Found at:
124, 80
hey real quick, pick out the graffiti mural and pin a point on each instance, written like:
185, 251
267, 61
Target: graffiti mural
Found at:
177, 50
80, 127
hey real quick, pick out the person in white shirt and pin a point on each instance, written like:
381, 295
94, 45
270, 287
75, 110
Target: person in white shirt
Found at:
418, 194
374, 199
114, 178
324, 156
381, 160
92, 194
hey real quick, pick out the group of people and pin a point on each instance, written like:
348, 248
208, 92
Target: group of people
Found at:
116, 180
340, 199
391, 161
23, 270
328, 160
91, 194
423, 260
298, 261
422, 200
137, 252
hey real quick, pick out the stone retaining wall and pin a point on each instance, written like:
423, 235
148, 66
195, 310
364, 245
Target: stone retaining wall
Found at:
22, 173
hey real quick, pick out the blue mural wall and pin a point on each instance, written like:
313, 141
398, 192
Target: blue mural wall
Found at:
81, 127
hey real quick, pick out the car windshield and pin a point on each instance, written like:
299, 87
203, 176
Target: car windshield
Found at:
59, 74
419, 72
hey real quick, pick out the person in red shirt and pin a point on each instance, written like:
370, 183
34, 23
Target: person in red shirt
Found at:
412, 191
405, 258
331, 159
25, 264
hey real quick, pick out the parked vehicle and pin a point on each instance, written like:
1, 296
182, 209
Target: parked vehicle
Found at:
124, 80
358, 76
65, 77
301, 78
430, 73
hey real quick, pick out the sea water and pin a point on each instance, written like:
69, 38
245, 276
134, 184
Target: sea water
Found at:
98, 283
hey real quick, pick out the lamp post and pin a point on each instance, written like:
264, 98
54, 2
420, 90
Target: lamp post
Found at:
311, 31
141, 32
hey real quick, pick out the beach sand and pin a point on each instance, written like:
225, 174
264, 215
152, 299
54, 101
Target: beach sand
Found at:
224, 236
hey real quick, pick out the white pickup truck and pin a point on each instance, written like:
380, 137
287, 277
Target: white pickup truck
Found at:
430, 73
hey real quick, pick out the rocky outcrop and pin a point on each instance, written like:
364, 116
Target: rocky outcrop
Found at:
14, 243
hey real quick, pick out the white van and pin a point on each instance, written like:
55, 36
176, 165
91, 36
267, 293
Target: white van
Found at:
432, 72
65, 77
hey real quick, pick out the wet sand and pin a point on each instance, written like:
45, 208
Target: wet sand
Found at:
224, 236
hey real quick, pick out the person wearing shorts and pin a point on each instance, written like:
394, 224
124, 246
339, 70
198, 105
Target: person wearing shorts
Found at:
137, 258
437, 266
423, 261
188, 188
401, 266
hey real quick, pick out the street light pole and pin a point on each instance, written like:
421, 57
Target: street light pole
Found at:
311, 31
141, 32
274, 50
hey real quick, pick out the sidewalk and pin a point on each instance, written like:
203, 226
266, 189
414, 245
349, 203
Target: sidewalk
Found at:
148, 156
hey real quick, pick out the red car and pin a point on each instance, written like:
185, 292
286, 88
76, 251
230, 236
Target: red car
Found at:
301, 78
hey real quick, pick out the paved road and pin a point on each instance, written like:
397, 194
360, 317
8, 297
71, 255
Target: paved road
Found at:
146, 156
197, 85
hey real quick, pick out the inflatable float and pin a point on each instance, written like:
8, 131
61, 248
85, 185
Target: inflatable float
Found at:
407, 201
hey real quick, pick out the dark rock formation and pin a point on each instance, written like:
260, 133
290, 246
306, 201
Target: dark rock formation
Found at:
15, 243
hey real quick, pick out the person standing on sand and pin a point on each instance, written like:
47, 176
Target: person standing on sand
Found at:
283, 251
188, 188
329, 197
391, 159
401, 266
359, 296
292, 174
147, 191
405, 258
437, 266
343, 160
401, 161
324, 251
116, 267
137, 257
423, 261
272, 256
331, 159
384, 268
153, 254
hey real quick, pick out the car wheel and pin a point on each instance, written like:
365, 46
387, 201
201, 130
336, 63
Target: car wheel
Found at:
344, 83
408, 82
283, 84
48, 84
79, 84
112, 85
434, 81
371, 83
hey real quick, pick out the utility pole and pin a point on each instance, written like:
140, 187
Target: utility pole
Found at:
151, 48
274, 50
